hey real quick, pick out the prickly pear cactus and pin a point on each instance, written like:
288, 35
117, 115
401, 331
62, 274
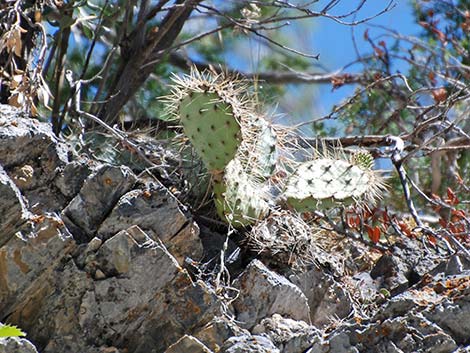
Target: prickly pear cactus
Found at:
326, 182
216, 113
239, 199
211, 127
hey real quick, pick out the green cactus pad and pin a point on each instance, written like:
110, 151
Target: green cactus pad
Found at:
211, 127
262, 161
239, 200
325, 183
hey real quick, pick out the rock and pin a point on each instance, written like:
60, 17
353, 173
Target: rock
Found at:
188, 344
264, 293
327, 298
453, 314
157, 212
32, 156
146, 305
404, 266
29, 260
288, 335
16, 345
12, 208
149, 302
338, 343
249, 344
98, 195
70, 180
217, 331
49, 309
403, 334
24, 140
392, 272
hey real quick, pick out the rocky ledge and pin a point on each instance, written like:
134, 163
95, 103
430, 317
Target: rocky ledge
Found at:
94, 258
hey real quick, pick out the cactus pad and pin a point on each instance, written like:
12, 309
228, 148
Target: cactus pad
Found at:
325, 183
210, 125
239, 200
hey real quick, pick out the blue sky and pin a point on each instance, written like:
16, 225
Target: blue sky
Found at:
333, 41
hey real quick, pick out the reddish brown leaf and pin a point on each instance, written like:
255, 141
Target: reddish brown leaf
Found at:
439, 95
452, 197
432, 239
373, 233
440, 35
353, 221
379, 52
443, 222
405, 229
432, 77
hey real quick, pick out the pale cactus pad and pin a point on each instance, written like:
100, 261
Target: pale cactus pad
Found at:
325, 182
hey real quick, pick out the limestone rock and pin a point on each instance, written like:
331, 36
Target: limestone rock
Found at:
288, 335
29, 261
188, 344
12, 208
23, 140
71, 178
32, 156
158, 214
453, 314
327, 298
149, 302
217, 331
264, 293
249, 344
98, 195
16, 345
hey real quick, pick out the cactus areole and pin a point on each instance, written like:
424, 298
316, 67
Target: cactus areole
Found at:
211, 127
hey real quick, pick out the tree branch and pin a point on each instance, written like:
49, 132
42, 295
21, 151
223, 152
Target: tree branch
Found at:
134, 71
274, 77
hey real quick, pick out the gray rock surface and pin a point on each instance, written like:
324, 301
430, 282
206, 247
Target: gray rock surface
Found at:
33, 157
16, 345
249, 344
98, 195
12, 208
188, 344
327, 299
28, 262
217, 331
288, 335
264, 293
158, 213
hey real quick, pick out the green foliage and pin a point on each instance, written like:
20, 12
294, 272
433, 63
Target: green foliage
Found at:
10, 331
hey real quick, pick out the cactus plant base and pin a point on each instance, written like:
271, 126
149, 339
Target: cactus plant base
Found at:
211, 127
